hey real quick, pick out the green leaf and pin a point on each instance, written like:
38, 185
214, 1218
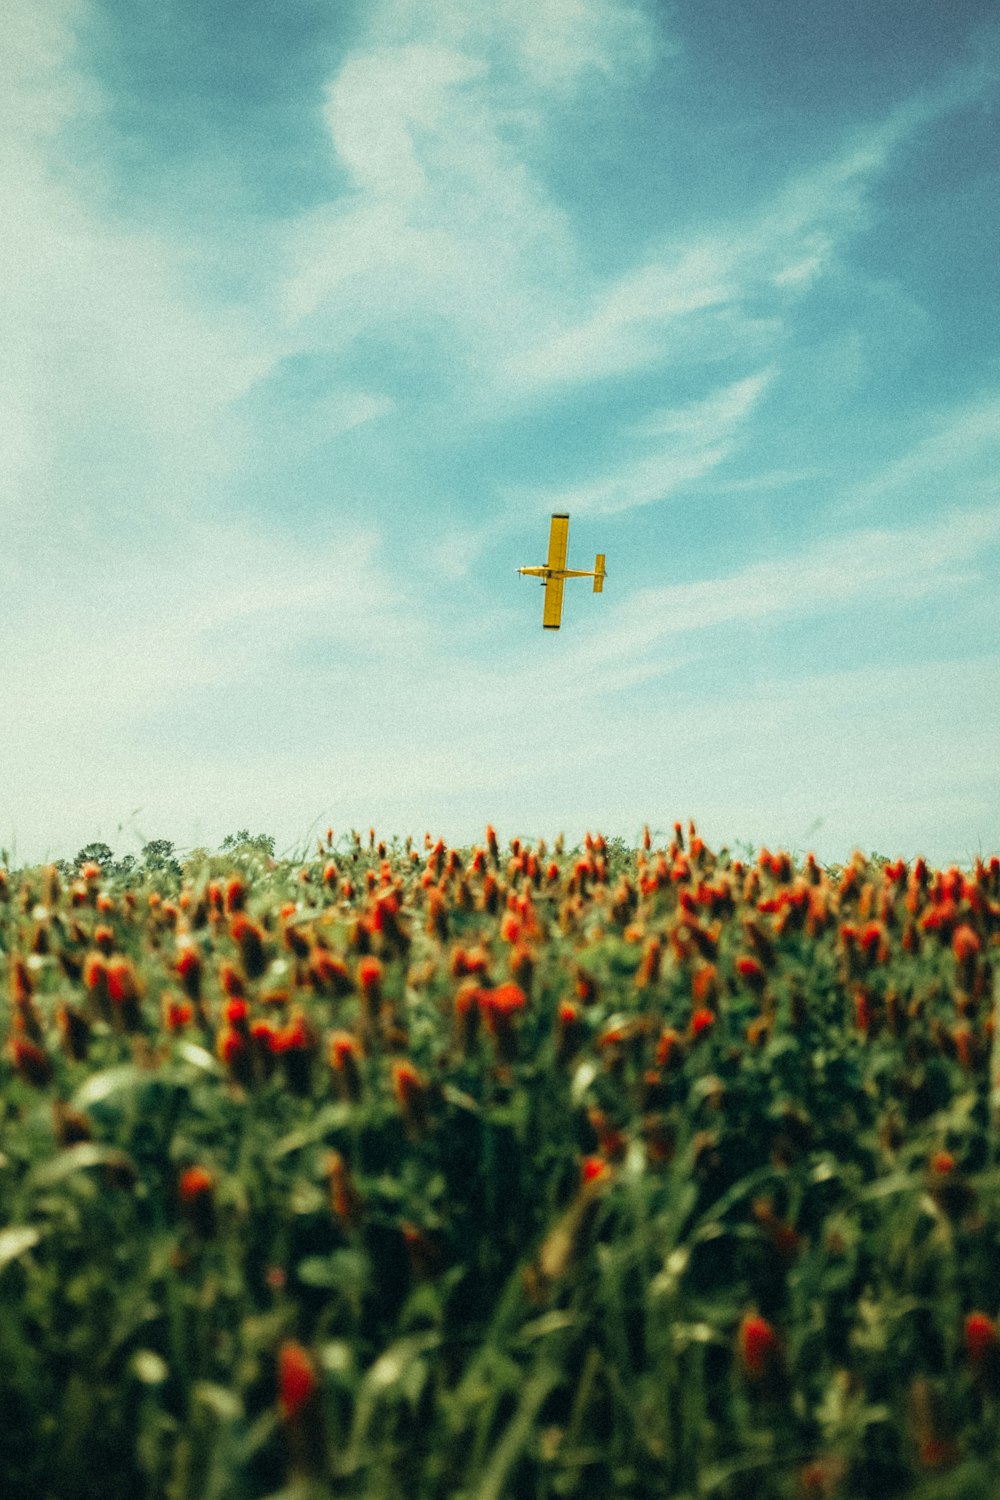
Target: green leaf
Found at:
15, 1241
79, 1158
221, 1401
149, 1367
199, 1057
108, 1082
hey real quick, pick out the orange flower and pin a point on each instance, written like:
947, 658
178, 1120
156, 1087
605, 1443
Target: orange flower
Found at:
123, 991
30, 1061
187, 965
236, 895
965, 942
705, 985
499, 1007
569, 1029
669, 1047
410, 1090
19, 980
345, 1200
370, 980
964, 1044
344, 1052
328, 973
95, 977
648, 971
250, 939
74, 1032
196, 1194
194, 1184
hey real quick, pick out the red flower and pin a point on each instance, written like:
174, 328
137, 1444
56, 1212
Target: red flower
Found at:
232, 981
298, 1382
187, 965
504, 1001
95, 977
751, 971
30, 1061
370, 979
176, 1013
122, 984
593, 1169
702, 1020
757, 1346
980, 1337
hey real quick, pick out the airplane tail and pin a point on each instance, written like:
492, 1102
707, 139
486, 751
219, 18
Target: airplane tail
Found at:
599, 574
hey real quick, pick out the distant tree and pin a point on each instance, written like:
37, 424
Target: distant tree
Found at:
158, 857
243, 842
124, 866
96, 854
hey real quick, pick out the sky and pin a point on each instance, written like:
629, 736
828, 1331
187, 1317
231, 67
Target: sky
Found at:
314, 311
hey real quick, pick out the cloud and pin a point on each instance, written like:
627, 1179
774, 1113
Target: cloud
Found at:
689, 442
111, 366
907, 564
437, 117
701, 297
957, 452
553, 45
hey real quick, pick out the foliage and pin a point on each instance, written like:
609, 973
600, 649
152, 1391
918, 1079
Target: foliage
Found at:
498, 1172
243, 843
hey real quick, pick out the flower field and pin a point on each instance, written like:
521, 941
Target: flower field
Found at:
488, 1173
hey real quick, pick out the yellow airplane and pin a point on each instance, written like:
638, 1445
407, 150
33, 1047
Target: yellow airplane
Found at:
555, 572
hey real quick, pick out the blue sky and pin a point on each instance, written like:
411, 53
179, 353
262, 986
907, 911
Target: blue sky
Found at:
315, 311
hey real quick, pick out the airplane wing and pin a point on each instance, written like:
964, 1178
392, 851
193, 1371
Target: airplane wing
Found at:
558, 538
552, 612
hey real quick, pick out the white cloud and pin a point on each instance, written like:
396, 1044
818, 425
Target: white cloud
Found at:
958, 454
378, 105
445, 220
111, 369
691, 441
555, 45
891, 563
675, 302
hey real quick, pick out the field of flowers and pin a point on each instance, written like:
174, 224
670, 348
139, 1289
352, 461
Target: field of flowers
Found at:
422, 1172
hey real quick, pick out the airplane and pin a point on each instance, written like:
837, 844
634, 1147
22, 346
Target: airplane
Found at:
555, 572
